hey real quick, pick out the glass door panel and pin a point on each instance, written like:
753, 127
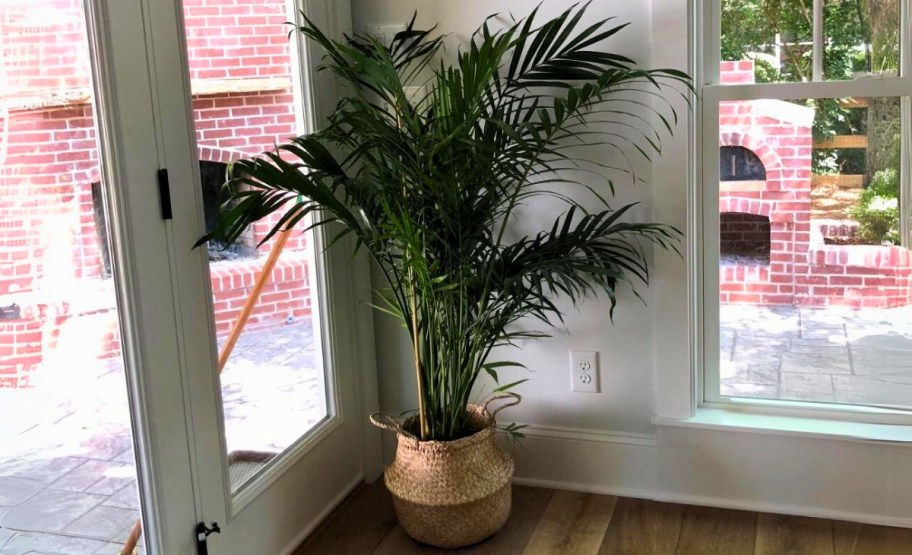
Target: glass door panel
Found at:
68, 480
246, 99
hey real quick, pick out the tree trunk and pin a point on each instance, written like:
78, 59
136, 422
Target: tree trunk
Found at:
883, 121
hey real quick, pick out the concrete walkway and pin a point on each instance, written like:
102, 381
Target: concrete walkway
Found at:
67, 474
817, 354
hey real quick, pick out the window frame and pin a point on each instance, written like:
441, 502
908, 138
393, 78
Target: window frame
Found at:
705, 249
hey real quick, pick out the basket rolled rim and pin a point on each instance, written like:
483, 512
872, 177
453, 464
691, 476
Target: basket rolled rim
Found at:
487, 424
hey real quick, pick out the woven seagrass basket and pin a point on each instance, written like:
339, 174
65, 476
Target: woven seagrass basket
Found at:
451, 493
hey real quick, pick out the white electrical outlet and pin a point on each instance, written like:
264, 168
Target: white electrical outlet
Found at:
584, 372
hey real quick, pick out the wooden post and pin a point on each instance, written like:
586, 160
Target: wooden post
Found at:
131, 542
253, 298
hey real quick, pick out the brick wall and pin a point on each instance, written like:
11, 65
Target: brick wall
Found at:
231, 39
240, 65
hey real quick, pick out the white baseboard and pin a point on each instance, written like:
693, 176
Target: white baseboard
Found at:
584, 488
783, 509
593, 461
317, 520
623, 464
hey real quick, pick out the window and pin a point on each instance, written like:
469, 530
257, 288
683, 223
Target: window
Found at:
805, 116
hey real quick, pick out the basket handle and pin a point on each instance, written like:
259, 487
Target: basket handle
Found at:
387, 422
516, 399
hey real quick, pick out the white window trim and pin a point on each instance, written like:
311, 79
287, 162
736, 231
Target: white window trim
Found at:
704, 251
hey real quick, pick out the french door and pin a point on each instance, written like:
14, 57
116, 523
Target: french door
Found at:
277, 402
258, 426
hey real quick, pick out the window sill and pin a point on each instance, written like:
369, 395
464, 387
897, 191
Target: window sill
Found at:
725, 419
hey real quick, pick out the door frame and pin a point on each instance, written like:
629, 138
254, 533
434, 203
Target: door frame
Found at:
129, 152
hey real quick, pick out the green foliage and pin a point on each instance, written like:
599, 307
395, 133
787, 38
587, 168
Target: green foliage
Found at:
878, 211
750, 28
429, 181
884, 184
861, 37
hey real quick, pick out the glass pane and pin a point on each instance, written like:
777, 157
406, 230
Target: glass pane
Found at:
273, 386
776, 35
815, 297
67, 473
861, 38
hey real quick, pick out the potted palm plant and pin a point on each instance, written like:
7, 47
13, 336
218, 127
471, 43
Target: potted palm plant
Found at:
426, 164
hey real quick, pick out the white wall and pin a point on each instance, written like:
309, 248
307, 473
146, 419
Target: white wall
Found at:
607, 442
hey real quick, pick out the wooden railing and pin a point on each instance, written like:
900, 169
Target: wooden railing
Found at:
843, 181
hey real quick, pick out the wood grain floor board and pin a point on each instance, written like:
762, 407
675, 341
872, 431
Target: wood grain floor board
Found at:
357, 526
794, 535
641, 527
845, 537
881, 540
573, 524
549, 522
711, 531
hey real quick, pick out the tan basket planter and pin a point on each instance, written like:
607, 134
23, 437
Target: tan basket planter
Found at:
451, 493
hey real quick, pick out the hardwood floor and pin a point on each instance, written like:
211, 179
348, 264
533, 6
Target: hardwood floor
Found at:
546, 522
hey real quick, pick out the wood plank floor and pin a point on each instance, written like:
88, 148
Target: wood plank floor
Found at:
547, 522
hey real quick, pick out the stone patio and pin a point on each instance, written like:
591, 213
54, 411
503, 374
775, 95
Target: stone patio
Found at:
67, 474
829, 355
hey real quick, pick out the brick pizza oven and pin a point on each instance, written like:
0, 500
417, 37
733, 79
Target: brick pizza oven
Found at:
772, 253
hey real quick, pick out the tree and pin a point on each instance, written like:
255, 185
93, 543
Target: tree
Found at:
883, 121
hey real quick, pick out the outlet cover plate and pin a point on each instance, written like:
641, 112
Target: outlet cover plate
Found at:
584, 372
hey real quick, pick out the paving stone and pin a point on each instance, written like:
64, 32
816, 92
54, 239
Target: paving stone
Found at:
103, 523
126, 456
44, 470
113, 548
824, 346
750, 390
877, 335
50, 510
86, 443
105, 446
82, 477
50, 544
765, 374
806, 387
114, 479
832, 333
833, 316
891, 359
14, 490
759, 351
872, 391
97, 477
127, 498
733, 371
820, 363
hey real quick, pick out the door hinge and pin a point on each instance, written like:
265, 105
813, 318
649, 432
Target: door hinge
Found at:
203, 532
164, 191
